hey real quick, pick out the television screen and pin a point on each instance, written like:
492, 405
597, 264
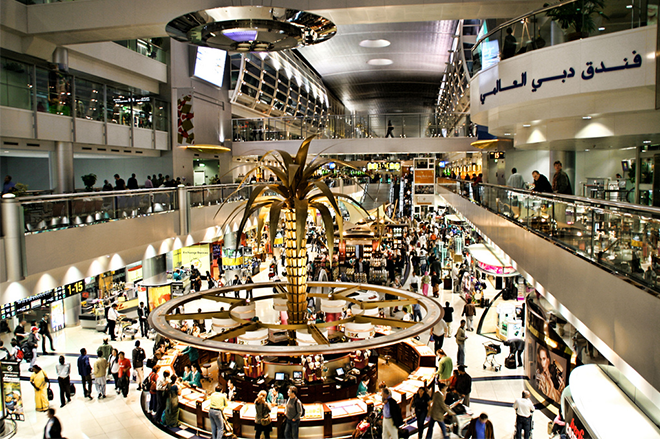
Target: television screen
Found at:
340, 371
210, 65
297, 375
279, 376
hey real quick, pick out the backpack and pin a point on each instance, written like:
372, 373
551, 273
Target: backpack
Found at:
140, 355
151, 362
302, 409
146, 384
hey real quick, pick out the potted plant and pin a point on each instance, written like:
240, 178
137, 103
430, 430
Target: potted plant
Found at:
578, 16
89, 180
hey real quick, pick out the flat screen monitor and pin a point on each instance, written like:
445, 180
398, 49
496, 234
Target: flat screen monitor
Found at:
340, 371
210, 65
297, 375
279, 376
625, 166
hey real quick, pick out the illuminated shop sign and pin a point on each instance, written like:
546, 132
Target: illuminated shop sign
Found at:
495, 270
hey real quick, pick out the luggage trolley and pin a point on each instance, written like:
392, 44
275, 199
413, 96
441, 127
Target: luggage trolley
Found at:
492, 349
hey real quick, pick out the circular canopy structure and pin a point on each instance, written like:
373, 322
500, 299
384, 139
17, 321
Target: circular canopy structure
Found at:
161, 317
251, 28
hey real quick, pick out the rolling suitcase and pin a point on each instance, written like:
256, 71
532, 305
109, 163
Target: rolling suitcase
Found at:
447, 283
510, 362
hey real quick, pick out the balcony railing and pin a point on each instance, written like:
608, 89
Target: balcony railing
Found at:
537, 29
620, 237
416, 125
57, 212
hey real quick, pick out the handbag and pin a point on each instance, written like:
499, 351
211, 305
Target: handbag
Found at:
72, 389
265, 421
49, 392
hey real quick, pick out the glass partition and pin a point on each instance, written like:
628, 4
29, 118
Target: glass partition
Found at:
416, 125
622, 238
553, 25
53, 92
15, 84
89, 100
118, 106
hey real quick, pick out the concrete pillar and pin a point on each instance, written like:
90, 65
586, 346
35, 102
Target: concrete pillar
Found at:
567, 158
184, 210
61, 164
14, 235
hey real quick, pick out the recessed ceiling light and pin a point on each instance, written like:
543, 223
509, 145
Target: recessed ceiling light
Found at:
507, 134
380, 62
645, 141
629, 6
374, 43
601, 28
586, 117
526, 125
586, 150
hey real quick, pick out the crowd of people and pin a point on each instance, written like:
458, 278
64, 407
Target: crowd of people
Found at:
150, 182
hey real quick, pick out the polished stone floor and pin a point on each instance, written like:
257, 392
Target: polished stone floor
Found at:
121, 418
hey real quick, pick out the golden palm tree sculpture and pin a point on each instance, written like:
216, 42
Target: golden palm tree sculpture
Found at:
297, 191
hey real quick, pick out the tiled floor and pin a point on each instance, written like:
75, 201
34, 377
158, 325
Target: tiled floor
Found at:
116, 417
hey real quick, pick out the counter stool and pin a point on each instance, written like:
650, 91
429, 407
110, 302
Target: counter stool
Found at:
206, 376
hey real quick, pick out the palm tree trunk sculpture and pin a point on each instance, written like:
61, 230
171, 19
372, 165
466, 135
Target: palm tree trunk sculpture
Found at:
297, 191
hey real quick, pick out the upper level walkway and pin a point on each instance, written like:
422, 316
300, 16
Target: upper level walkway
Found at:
588, 258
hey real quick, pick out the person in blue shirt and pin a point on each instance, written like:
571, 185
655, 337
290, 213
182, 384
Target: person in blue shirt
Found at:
85, 371
9, 186
196, 376
177, 274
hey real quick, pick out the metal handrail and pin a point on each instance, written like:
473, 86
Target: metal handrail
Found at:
113, 193
574, 198
522, 17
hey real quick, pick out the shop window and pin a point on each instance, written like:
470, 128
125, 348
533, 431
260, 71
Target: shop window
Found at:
118, 106
15, 84
143, 107
161, 115
89, 100
53, 92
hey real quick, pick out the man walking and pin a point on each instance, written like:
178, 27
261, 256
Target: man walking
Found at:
460, 342
63, 370
44, 331
143, 315
85, 372
524, 409
439, 331
464, 385
438, 411
293, 411
469, 311
138, 363
392, 418
448, 317
113, 316
99, 373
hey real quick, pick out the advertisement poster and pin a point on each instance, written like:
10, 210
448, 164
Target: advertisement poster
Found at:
11, 391
158, 296
232, 259
197, 255
57, 315
426, 176
547, 364
134, 273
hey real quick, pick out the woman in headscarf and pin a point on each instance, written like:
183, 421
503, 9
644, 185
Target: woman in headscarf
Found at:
39, 381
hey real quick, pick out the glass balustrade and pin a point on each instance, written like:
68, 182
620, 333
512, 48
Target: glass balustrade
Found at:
56, 212
559, 24
622, 238
396, 125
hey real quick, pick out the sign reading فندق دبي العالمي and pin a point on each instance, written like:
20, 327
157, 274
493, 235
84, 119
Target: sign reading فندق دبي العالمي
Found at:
590, 71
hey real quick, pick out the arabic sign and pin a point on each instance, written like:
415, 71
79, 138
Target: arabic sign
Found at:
602, 63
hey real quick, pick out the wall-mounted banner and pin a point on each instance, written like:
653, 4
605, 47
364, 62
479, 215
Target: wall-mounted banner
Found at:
185, 116
607, 62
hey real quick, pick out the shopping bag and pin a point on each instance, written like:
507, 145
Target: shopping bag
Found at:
49, 392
